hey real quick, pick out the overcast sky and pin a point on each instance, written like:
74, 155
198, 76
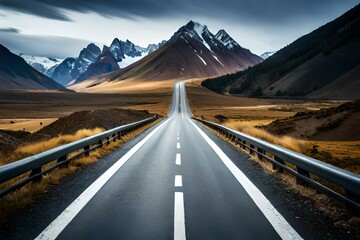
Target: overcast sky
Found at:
61, 28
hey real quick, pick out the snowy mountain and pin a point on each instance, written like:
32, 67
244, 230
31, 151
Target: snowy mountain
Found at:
45, 65
153, 47
225, 38
16, 73
124, 53
192, 52
87, 56
62, 72
122, 50
265, 55
71, 68
104, 63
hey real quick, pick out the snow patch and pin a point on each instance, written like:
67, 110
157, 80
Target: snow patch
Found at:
185, 40
199, 29
44, 61
201, 59
218, 60
130, 60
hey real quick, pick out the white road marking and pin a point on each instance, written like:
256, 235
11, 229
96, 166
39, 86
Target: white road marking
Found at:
178, 181
179, 217
58, 225
177, 138
279, 223
178, 159
178, 145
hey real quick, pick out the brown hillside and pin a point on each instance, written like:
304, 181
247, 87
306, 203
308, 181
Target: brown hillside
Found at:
340, 123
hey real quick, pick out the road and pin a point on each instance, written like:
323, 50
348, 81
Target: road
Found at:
176, 183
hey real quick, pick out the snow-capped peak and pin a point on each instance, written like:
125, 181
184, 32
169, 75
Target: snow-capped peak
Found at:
266, 55
46, 62
227, 40
195, 30
199, 29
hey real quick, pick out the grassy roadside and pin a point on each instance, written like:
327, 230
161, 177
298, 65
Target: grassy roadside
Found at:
342, 154
341, 218
17, 200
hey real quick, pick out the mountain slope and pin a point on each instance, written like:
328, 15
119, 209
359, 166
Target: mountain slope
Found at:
193, 51
266, 55
45, 65
62, 72
71, 68
322, 64
15, 73
104, 63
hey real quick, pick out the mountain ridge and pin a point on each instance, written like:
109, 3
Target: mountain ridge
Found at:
322, 64
191, 52
17, 74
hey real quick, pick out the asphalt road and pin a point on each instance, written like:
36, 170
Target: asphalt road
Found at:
175, 183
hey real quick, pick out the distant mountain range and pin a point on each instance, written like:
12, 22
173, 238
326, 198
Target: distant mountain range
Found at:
192, 52
15, 73
70, 70
266, 55
45, 65
322, 64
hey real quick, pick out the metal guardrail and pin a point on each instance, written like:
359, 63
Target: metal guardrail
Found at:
306, 167
35, 164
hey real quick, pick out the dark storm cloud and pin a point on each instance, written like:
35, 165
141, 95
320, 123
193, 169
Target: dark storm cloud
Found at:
39, 8
253, 11
39, 45
9, 30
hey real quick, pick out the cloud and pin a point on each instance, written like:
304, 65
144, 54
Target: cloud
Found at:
9, 30
38, 8
244, 10
42, 45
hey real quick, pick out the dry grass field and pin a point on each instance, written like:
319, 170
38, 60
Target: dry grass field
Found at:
250, 114
155, 96
30, 125
32, 104
15, 201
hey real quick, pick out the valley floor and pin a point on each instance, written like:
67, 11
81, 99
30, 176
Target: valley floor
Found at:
28, 108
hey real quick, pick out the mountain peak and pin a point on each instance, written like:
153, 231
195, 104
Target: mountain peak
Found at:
227, 40
192, 29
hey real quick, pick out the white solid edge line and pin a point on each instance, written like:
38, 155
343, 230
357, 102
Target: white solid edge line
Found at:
279, 223
58, 225
179, 217
178, 159
178, 145
178, 181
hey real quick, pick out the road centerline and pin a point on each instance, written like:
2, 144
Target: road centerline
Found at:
179, 217
178, 180
178, 159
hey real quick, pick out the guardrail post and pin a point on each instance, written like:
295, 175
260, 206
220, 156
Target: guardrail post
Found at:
251, 149
354, 197
114, 138
244, 145
87, 150
304, 173
278, 169
259, 152
100, 142
119, 135
62, 159
35, 172
107, 140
